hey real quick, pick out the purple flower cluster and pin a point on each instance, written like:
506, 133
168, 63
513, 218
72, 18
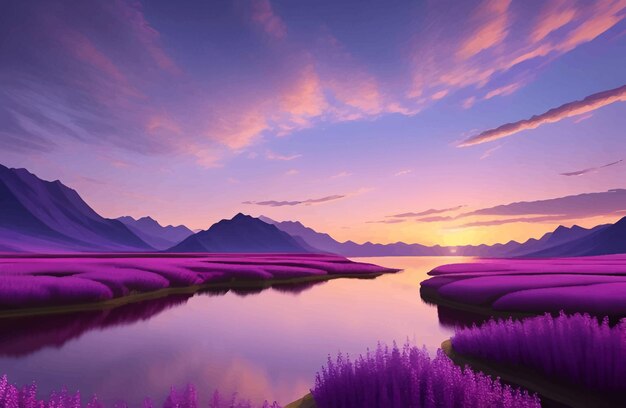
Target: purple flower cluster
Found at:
595, 285
577, 349
409, 378
31, 281
26, 397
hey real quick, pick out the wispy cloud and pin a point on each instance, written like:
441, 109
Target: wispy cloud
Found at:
427, 212
491, 18
342, 174
292, 172
590, 169
572, 206
497, 37
403, 172
310, 201
436, 218
263, 14
490, 223
269, 155
504, 90
389, 221
588, 104
489, 152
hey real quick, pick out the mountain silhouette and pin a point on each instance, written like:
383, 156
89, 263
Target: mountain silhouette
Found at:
46, 216
325, 243
155, 234
241, 234
603, 240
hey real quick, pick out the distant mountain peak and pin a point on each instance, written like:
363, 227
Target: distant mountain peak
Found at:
240, 234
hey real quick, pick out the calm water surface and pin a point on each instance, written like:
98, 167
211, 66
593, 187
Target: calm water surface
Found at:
263, 345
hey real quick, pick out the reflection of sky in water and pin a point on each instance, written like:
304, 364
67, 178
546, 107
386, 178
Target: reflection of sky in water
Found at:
266, 345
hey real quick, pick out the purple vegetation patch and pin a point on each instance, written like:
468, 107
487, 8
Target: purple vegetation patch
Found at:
26, 397
587, 284
408, 377
577, 349
28, 281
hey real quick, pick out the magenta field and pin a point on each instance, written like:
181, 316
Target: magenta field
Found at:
595, 285
40, 281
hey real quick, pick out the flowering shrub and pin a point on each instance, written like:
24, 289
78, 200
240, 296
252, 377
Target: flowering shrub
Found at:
409, 378
26, 397
576, 349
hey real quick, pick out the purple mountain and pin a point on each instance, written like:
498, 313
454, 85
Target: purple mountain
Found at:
44, 216
155, 234
603, 240
325, 243
241, 234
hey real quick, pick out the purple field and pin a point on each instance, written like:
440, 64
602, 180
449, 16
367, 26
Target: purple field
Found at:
577, 350
26, 397
594, 285
410, 378
39, 281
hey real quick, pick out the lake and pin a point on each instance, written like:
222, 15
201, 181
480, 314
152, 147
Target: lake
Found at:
265, 345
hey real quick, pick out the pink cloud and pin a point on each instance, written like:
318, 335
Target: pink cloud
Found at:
491, 30
588, 104
469, 102
144, 33
264, 16
555, 14
471, 57
504, 90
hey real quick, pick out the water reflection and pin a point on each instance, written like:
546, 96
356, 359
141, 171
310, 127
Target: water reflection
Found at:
263, 344
21, 336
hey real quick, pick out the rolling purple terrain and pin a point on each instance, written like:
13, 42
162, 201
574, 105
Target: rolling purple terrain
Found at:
595, 285
44, 281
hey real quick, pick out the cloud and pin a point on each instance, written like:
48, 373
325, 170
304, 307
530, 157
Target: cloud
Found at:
427, 212
489, 152
491, 30
504, 90
497, 37
292, 172
588, 104
403, 172
590, 170
310, 201
269, 155
342, 174
392, 221
573, 206
490, 223
266, 18
469, 102
583, 117
436, 218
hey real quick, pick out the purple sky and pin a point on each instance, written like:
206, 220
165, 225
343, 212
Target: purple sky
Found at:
338, 114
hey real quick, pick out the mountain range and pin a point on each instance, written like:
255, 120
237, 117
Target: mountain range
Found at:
562, 237
46, 216
158, 236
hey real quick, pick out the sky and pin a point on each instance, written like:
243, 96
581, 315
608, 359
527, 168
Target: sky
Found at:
382, 121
